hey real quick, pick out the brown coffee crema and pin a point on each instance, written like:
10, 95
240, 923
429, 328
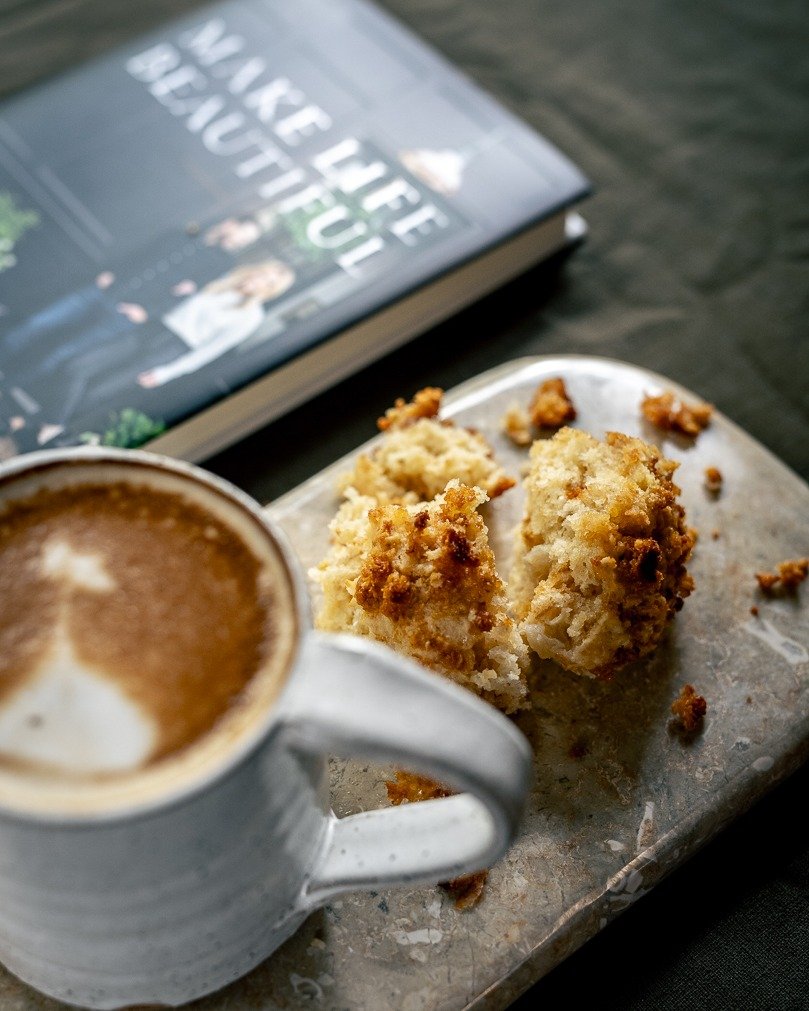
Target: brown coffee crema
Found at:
154, 595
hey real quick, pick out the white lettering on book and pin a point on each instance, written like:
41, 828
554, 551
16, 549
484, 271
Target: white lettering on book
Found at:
242, 111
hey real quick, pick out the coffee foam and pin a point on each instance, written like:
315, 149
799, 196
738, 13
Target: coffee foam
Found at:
92, 727
81, 728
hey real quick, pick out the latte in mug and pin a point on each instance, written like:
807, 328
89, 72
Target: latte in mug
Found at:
147, 622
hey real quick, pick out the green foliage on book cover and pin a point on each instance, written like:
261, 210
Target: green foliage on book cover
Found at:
14, 223
129, 428
295, 223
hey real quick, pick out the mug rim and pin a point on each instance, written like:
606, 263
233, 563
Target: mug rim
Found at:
194, 781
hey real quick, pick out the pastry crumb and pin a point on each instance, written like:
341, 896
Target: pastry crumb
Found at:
550, 406
466, 891
411, 788
549, 409
689, 708
713, 480
425, 404
517, 425
669, 413
754, 611
788, 576
715, 535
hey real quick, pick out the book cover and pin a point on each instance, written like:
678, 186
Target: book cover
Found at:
186, 214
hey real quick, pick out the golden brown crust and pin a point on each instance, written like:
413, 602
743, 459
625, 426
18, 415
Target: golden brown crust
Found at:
425, 404
670, 414
689, 708
713, 480
420, 453
789, 575
600, 555
422, 578
550, 406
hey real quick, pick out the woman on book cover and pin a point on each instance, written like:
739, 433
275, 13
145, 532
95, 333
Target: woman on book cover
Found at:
210, 322
101, 334
220, 316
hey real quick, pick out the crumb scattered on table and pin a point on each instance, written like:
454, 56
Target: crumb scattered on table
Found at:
671, 414
788, 576
754, 611
713, 480
517, 425
466, 891
410, 788
715, 535
550, 406
689, 708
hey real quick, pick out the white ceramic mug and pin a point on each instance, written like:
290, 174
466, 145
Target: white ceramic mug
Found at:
165, 899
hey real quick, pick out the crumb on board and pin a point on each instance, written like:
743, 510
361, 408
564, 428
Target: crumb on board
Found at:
713, 480
550, 406
754, 611
788, 576
689, 708
466, 892
410, 788
425, 404
517, 425
671, 414
715, 534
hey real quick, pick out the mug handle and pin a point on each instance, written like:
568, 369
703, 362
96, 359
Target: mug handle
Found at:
359, 698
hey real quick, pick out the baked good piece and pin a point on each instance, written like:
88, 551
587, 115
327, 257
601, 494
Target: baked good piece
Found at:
689, 709
670, 414
550, 407
419, 454
422, 579
788, 576
713, 480
600, 557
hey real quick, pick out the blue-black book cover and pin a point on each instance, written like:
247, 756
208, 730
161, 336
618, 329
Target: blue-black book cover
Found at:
184, 214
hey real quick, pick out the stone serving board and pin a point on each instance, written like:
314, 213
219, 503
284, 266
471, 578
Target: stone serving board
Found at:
619, 798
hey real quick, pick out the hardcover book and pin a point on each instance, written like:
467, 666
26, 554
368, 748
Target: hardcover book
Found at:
204, 228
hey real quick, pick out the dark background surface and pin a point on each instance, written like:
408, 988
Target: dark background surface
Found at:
690, 118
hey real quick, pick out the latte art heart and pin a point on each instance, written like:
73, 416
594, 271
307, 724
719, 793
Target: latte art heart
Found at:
70, 718
134, 622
